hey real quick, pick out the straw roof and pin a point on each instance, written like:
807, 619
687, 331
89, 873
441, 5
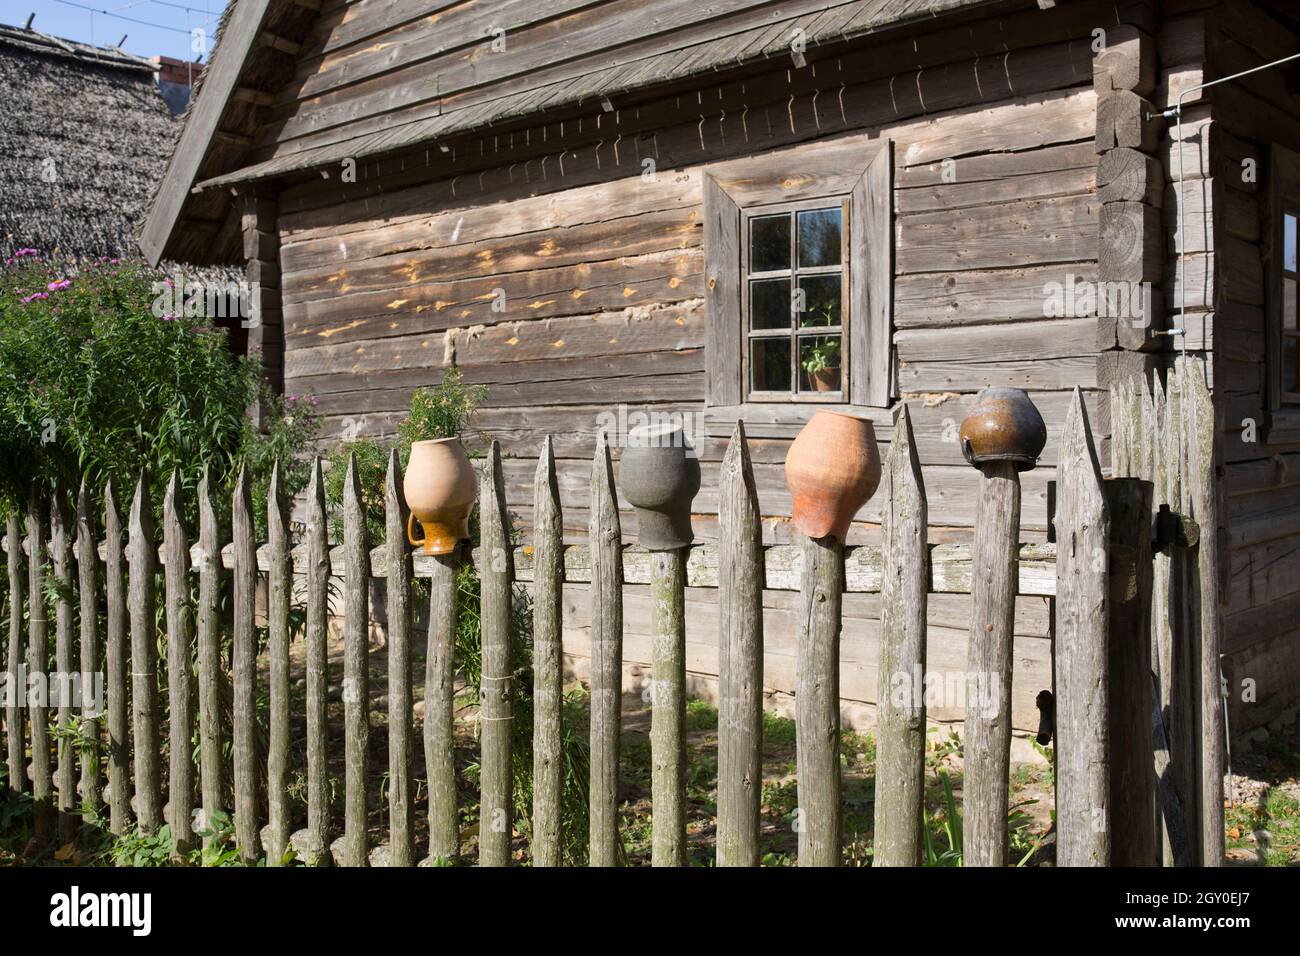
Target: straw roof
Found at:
84, 139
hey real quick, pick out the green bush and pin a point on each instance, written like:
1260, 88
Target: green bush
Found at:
96, 381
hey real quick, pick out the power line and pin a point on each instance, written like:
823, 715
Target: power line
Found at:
118, 16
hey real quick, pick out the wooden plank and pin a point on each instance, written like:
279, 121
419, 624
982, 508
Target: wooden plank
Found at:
871, 225
817, 700
180, 692
722, 298
401, 785
1083, 777
606, 662
548, 664
900, 709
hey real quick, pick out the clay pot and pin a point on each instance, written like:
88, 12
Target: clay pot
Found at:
826, 380
832, 470
440, 488
1004, 425
659, 480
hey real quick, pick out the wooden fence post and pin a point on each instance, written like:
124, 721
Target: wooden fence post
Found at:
60, 558
14, 713
356, 670
1200, 433
900, 707
116, 655
668, 707
142, 557
401, 825
37, 655
279, 585
211, 678
1132, 781
180, 707
439, 703
988, 735
495, 698
1083, 815
740, 657
817, 702
606, 541
88, 594
548, 662
245, 671
318, 571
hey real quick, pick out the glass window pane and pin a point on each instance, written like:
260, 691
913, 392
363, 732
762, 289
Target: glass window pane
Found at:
769, 243
819, 363
769, 364
821, 300
1290, 364
819, 237
769, 303
1288, 242
1288, 304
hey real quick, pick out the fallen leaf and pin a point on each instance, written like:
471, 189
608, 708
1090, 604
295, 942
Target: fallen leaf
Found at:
64, 852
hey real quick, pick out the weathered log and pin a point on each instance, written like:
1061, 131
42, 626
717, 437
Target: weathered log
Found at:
668, 708
900, 708
356, 671
740, 658
1132, 777
66, 751
14, 714
180, 692
401, 788
606, 659
817, 701
439, 703
988, 690
1083, 816
244, 640
278, 593
496, 700
142, 557
37, 655
548, 663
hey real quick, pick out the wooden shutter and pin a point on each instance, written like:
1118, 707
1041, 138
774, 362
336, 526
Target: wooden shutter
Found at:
723, 334
871, 282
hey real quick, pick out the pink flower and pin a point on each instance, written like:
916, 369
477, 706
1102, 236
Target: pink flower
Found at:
59, 286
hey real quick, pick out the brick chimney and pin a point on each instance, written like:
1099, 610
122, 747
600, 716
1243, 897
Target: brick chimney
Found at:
175, 77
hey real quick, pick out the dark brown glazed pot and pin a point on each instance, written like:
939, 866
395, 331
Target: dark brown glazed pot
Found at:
832, 470
660, 479
1004, 425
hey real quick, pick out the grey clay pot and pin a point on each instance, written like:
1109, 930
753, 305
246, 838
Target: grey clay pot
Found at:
660, 480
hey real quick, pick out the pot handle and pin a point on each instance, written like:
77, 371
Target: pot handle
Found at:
410, 531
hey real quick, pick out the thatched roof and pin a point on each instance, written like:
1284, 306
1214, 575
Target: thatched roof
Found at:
84, 138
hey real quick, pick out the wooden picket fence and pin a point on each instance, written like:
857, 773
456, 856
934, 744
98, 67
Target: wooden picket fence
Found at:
1103, 696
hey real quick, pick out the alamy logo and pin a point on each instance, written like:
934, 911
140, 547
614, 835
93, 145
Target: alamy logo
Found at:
74, 909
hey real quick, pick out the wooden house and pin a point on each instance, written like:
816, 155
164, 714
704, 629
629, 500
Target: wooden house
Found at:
600, 207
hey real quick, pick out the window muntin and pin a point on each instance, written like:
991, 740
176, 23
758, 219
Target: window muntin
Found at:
794, 297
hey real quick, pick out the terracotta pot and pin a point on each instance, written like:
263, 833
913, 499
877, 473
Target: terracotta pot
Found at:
832, 470
660, 479
826, 380
440, 488
1003, 425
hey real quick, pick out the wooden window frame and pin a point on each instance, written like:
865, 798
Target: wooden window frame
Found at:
861, 176
794, 333
1283, 420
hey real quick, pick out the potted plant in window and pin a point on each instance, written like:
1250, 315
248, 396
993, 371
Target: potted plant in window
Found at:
822, 363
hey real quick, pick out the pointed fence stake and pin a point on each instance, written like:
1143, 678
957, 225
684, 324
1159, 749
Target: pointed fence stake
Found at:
318, 575
401, 824
117, 655
606, 541
91, 679
548, 662
60, 560
15, 714
740, 657
142, 557
245, 672
180, 692
212, 678
496, 823
900, 708
356, 671
279, 583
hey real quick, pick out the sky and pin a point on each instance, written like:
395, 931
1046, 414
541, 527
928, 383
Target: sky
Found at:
152, 27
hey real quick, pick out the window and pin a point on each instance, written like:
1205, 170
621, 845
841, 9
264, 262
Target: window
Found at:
799, 270
1288, 340
794, 301
1282, 339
